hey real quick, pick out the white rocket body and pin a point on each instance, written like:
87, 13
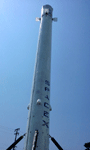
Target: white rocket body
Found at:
38, 118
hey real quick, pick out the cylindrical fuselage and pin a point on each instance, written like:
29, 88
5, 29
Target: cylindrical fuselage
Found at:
38, 119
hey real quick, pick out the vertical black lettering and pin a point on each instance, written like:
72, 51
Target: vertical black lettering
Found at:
46, 114
47, 97
45, 124
47, 89
47, 82
46, 105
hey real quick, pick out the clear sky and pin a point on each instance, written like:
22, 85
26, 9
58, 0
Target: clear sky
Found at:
70, 69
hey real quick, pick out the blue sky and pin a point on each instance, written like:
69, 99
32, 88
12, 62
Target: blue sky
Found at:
70, 69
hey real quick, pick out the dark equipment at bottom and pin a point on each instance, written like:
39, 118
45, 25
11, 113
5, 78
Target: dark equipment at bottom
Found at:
56, 143
87, 145
18, 140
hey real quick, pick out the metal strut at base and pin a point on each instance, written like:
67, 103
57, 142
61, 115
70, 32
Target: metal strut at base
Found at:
56, 143
17, 141
35, 140
87, 145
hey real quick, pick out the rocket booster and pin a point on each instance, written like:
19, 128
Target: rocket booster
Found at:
37, 136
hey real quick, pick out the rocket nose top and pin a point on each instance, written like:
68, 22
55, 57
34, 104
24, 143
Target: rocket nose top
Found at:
46, 10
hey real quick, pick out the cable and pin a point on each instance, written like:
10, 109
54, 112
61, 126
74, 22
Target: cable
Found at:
9, 129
